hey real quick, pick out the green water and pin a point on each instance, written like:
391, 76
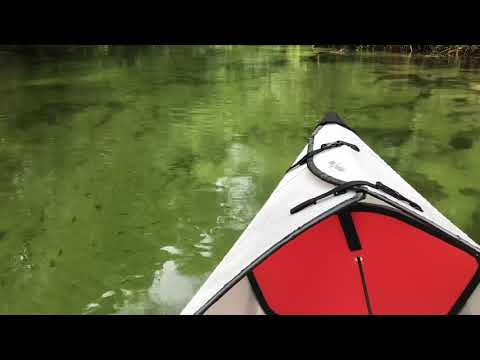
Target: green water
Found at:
126, 173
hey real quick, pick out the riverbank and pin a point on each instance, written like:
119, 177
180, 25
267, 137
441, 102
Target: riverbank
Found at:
429, 50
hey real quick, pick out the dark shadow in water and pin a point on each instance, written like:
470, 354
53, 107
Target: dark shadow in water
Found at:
259, 134
105, 119
410, 77
429, 188
464, 139
444, 82
2, 234
279, 62
474, 229
60, 114
421, 82
113, 107
380, 137
50, 114
191, 79
137, 135
58, 87
409, 105
461, 142
459, 115
424, 94
128, 55
10, 164
470, 192
184, 161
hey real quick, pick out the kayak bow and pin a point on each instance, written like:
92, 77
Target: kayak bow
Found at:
343, 233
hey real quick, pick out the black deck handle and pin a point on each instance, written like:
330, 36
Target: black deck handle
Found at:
322, 148
355, 185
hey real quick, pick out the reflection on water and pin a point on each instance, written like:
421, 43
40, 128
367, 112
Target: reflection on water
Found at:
170, 288
168, 291
126, 173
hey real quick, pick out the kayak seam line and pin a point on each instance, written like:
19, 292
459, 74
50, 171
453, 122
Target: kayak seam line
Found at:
364, 284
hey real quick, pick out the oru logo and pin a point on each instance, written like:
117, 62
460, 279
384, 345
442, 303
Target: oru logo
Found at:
336, 166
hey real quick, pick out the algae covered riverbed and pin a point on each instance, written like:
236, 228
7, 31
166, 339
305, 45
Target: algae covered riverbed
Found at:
126, 173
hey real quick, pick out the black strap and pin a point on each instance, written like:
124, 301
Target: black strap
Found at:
349, 231
323, 147
396, 195
354, 185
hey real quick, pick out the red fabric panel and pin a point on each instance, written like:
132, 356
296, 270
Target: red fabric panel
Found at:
315, 273
407, 270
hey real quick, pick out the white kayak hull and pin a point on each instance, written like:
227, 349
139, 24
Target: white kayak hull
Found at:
371, 245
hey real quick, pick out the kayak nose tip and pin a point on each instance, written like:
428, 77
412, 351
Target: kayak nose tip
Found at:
332, 117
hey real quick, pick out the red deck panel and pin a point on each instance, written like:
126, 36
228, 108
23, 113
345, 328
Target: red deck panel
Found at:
313, 274
409, 271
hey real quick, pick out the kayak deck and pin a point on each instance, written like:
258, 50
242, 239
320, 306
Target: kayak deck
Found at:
342, 234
